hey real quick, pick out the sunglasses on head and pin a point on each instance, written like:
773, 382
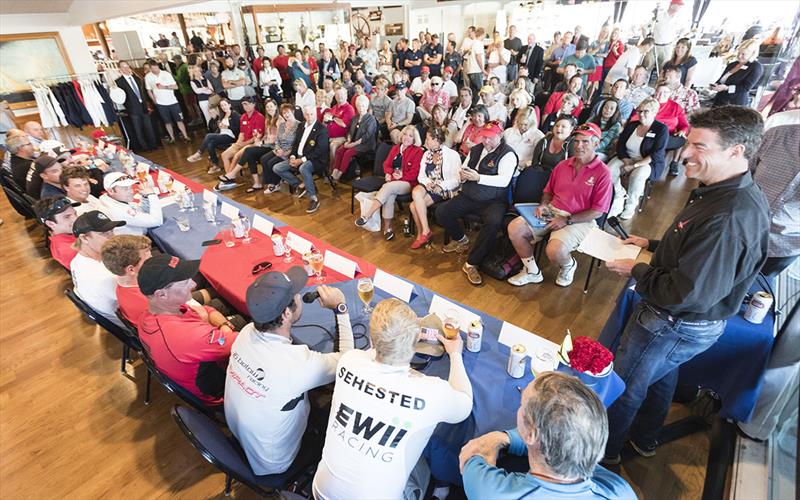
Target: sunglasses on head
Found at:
584, 127
56, 208
261, 267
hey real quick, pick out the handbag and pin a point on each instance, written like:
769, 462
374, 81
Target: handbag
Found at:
365, 200
503, 262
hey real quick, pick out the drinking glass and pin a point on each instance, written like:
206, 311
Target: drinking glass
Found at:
287, 253
365, 292
317, 262
227, 236
542, 361
210, 211
450, 324
183, 223
246, 225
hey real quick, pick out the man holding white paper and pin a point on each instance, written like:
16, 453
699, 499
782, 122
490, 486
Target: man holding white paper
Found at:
578, 192
700, 272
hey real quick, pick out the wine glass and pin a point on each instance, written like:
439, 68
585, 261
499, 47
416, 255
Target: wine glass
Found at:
246, 225
317, 262
365, 292
287, 254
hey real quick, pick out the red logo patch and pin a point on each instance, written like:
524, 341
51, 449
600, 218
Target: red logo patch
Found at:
173, 262
682, 224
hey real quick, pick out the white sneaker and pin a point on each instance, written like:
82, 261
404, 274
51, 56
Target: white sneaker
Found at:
523, 277
567, 274
195, 157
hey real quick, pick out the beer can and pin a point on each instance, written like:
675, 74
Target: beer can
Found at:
758, 307
474, 335
516, 361
277, 245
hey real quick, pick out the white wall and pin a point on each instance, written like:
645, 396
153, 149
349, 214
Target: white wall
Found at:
71, 36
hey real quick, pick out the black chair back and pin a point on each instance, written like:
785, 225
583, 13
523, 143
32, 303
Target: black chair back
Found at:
381, 152
108, 325
530, 185
21, 202
177, 389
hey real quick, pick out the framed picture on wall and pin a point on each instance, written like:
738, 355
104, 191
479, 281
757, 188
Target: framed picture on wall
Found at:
20, 65
394, 29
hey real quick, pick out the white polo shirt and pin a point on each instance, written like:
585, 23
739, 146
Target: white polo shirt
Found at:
266, 406
95, 285
164, 97
381, 418
137, 221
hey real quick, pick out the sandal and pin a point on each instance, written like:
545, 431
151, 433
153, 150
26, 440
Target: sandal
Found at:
253, 189
225, 178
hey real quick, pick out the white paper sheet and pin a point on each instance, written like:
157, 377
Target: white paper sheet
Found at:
393, 285
440, 307
262, 225
512, 334
229, 211
209, 196
341, 264
606, 247
298, 243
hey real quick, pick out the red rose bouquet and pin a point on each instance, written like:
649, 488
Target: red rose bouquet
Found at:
589, 356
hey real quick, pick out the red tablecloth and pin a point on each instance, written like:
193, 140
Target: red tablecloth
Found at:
229, 269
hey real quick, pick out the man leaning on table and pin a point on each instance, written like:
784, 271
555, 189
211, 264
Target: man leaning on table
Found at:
383, 412
562, 429
700, 271
119, 205
189, 344
267, 406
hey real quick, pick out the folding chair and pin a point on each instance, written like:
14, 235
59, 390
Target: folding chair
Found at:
128, 342
226, 454
601, 223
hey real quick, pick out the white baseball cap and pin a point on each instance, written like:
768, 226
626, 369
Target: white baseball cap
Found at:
117, 179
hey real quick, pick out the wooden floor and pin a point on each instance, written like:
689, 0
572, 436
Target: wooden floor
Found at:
72, 426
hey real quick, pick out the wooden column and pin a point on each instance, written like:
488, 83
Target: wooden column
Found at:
100, 36
182, 22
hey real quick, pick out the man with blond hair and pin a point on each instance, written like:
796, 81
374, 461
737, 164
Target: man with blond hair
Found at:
383, 412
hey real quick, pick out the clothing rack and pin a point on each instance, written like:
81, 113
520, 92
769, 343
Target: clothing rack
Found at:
97, 76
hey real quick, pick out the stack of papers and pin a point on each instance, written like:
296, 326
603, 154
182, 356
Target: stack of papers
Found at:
606, 247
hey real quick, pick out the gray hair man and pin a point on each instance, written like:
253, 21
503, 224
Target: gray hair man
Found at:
562, 428
383, 412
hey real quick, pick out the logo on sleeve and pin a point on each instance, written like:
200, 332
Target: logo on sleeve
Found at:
590, 181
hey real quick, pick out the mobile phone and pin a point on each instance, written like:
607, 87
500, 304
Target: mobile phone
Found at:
211, 242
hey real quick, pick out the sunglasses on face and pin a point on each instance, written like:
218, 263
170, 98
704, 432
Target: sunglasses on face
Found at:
261, 267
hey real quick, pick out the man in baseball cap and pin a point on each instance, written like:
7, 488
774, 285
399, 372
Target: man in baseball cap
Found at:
189, 343
496, 110
266, 403
119, 203
449, 85
485, 177
57, 213
578, 192
92, 282
44, 178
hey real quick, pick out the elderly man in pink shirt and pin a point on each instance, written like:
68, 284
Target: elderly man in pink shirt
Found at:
433, 95
578, 192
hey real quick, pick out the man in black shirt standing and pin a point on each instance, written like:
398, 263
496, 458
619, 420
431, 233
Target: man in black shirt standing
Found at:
513, 44
699, 274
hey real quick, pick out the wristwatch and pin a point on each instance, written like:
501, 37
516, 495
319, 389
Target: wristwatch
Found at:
569, 220
341, 308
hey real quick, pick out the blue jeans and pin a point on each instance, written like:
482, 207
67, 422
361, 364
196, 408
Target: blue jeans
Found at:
651, 350
284, 170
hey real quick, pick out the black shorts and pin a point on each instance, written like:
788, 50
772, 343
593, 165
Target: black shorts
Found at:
170, 113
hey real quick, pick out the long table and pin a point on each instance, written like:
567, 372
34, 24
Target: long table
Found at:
228, 269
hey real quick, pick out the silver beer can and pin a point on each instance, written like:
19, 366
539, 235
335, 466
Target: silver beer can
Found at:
758, 307
516, 361
474, 336
277, 245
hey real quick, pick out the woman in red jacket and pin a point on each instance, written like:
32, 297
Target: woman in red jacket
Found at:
671, 114
401, 168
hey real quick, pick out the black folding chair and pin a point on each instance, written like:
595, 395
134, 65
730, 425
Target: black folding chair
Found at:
601, 223
226, 454
20, 201
128, 342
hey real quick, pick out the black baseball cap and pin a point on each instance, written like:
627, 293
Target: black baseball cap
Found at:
43, 163
160, 270
94, 220
271, 293
47, 208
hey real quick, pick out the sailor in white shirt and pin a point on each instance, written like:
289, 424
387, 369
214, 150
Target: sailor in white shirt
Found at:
75, 182
91, 280
665, 31
119, 204
266, 405
383, 412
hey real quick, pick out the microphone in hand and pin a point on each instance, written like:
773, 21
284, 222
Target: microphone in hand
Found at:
615, 225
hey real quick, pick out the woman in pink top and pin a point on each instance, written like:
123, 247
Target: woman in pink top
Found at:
337, 119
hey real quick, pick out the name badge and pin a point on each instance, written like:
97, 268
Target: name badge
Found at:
650, 134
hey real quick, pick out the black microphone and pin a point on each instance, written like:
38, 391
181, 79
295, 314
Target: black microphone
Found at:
310, 297
614, 223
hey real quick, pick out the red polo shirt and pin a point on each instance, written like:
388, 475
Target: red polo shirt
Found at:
132, 303
61, 249
589, 189
554, 104
281, 63
344, 112
179, 343
248, 124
